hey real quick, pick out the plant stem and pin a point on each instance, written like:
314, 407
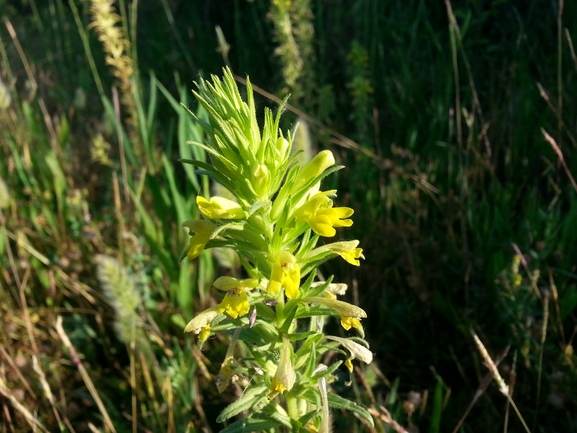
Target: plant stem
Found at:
292, 406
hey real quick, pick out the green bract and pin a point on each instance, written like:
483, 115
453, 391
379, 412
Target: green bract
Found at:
274, 225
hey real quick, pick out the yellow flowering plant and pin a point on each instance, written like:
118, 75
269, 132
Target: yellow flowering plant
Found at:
278, 215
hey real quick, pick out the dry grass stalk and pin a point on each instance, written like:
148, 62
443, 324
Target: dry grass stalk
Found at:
503, 387
385, 416
491, 365
481, 389
46, 388
85, 376
33, 421
557, 150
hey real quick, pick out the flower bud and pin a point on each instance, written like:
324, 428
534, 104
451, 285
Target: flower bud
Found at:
315, 166
285, 376
261, 179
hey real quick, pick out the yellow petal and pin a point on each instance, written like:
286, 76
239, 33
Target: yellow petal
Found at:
349, 364
235, 303
202, 320
273, 287
285, 272
219, 208
347, 250
203, 230
348, 322
204, 333
352, 256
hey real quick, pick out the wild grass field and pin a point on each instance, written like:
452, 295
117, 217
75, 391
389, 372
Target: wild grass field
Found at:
457, 124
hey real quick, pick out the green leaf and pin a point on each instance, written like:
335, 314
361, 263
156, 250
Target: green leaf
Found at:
250, 425
210, 171
568, 302
303, 352
318, 290
301, 335
260, 334
337, 402
307, 417
328, 371
311, 395
250, 398
438, 404
311, 361
290, 315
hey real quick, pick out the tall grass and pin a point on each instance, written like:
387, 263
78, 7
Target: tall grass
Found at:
437, 111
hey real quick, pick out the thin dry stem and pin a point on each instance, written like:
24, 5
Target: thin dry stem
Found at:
491, 365
85, 376
481, 389
541, 349
557, 150
503, 387
385, 416
46, 388
31, 419
570, 42
17, 371
547, 99
512, 380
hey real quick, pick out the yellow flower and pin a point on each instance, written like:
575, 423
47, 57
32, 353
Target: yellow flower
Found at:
350, 314
219, 208
201, 323
347, 250
285, 272
285, 376
357, 351
203, 230
321, 216
235, 302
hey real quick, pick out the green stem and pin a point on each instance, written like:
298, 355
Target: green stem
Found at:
292, 406
280, 309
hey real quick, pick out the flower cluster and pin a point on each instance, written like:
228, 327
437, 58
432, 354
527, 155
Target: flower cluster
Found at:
278, 215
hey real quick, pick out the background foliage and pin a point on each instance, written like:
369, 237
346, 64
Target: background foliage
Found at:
438, 112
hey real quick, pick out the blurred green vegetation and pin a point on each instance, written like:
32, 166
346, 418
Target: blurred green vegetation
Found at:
437, 110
